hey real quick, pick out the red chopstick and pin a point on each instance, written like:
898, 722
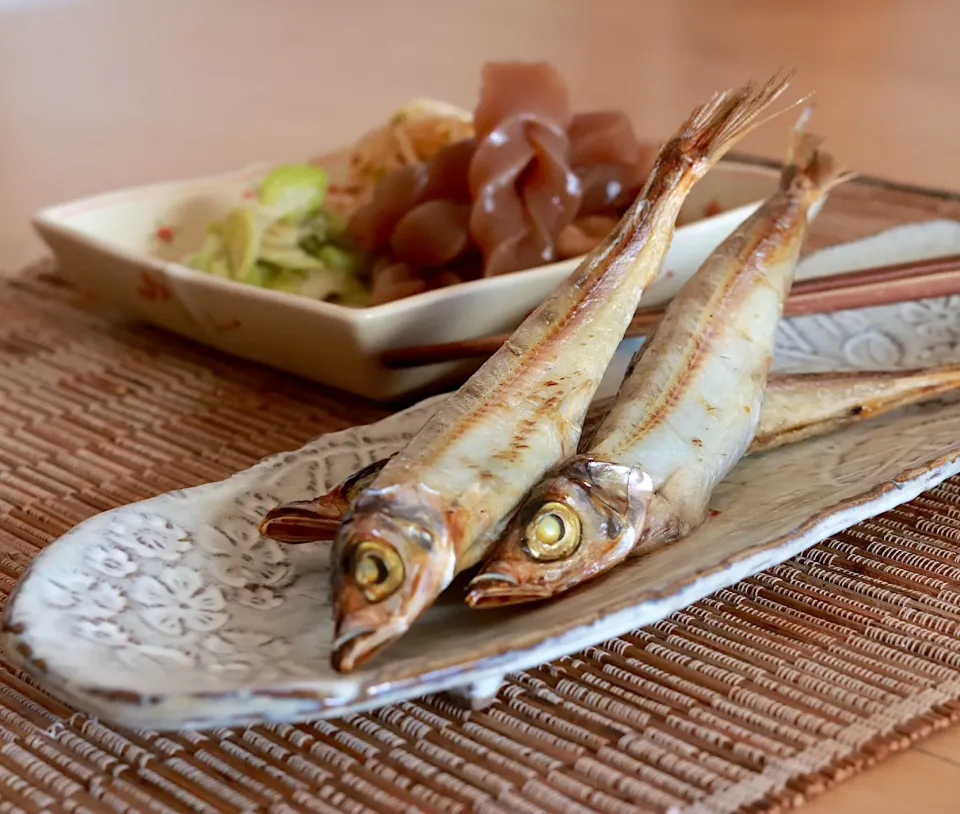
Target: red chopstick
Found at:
882, 285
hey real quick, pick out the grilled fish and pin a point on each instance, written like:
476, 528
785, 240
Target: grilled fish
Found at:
685, 414
437, 506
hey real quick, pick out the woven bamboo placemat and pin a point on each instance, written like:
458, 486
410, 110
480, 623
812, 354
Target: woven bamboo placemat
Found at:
751, 700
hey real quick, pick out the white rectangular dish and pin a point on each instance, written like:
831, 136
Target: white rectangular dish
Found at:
123, 247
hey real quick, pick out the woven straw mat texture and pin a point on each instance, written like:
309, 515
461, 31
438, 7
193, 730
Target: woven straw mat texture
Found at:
751, 700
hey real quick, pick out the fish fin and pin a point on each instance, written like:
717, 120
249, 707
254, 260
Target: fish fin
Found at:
361, 479
809, 167
310, 521
305, 521
678, 506
628, 489
715, 126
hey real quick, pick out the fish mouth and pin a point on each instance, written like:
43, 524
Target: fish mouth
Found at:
510, 579
307, 521
496, 590
354, 647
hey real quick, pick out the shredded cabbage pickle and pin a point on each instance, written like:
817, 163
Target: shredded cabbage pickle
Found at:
285, 240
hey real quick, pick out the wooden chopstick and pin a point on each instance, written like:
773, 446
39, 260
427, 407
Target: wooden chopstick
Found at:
881, 285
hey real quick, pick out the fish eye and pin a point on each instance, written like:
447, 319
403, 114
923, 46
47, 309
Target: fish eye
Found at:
377, 569
554, 533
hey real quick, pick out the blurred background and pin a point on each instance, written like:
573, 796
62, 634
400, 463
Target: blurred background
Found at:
96, 94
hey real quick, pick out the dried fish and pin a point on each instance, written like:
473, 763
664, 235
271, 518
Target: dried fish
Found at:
686, 412
438, 505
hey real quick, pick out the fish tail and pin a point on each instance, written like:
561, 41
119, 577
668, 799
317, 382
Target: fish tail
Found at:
808, 167
715, 126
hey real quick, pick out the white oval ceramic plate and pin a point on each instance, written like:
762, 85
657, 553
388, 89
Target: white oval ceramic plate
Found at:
123, 247
174, 612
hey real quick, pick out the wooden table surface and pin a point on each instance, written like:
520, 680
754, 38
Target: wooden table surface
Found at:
96, 94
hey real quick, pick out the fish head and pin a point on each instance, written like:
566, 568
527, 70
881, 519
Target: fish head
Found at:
392, 558
576, 524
